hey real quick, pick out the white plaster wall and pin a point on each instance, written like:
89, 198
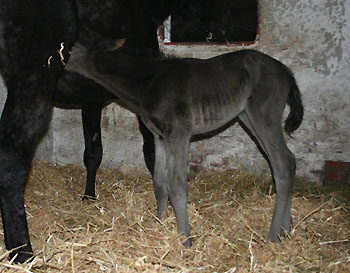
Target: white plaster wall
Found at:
311, 37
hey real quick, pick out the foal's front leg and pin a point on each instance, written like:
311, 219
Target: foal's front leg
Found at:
160, 177
176, 171
170, 180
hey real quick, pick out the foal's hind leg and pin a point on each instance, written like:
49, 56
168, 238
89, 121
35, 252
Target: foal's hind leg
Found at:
91, 116
267, 129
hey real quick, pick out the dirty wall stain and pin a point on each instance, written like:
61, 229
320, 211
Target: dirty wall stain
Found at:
312, 31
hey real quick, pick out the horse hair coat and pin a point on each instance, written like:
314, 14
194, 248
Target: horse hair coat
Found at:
35, 41
180, 98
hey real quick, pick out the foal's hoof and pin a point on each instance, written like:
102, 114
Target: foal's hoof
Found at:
275, 238
88, 197
162, 215
188, 243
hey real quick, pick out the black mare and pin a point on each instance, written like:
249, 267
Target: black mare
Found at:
35, 41
181, 98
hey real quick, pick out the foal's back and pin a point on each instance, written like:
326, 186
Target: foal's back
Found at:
203, 95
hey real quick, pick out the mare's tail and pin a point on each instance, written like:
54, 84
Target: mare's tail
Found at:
296, 113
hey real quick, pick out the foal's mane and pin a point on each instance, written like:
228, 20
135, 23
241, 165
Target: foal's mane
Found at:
127, 64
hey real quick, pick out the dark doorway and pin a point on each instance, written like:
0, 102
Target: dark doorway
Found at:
220, 21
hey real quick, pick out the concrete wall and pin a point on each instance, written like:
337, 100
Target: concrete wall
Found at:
311, 37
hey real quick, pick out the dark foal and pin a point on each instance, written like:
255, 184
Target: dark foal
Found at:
180, 98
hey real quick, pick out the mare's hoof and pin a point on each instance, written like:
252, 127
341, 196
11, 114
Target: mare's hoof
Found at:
88, 197
21, 257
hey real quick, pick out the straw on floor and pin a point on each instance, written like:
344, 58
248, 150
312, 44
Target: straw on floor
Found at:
230, 213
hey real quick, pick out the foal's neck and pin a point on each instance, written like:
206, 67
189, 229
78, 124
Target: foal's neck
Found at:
126, 76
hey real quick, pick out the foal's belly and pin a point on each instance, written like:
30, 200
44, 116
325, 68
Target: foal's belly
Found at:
216, 99
213, 116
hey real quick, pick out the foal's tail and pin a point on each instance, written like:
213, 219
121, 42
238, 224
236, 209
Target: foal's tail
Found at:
296, 113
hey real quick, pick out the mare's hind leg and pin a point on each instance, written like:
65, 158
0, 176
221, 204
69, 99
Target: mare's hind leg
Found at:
267, 129
91, 117
148, 146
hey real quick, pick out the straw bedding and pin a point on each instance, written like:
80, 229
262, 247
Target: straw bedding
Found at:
229, 213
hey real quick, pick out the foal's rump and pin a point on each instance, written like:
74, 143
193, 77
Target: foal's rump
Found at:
272, 87
219, 89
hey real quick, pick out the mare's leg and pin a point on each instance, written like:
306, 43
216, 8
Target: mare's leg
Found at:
176, 150
72, 89
91, 116
22, 119
27, 42
148, 146
267, 128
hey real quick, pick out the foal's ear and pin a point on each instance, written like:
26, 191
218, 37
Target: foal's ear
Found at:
117, 44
